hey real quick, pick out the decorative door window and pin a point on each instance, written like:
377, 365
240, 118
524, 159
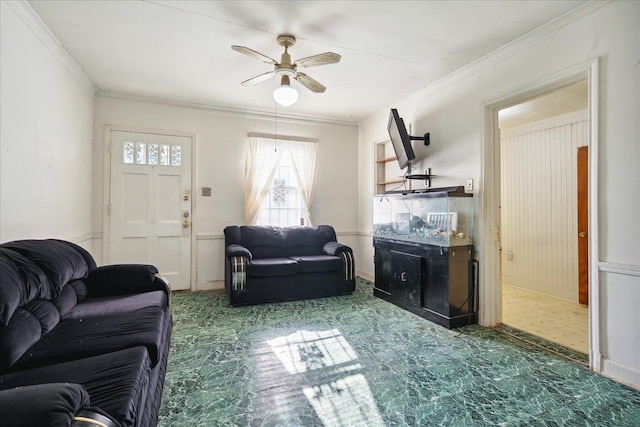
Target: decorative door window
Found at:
141, 153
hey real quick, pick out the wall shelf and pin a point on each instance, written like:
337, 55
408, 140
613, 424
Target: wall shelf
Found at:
387, 171
386, 160
390, 181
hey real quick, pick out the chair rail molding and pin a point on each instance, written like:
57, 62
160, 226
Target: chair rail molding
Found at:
625, 269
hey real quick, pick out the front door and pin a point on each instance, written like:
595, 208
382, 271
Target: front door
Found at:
150, 203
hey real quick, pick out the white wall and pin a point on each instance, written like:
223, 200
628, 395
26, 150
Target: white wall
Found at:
539, 207
221, 141
452, 111
46, 115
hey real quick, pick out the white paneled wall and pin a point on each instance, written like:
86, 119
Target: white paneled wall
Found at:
539, 205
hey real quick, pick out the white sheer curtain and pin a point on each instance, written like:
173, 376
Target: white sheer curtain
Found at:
263, 158
260, 167
303, 155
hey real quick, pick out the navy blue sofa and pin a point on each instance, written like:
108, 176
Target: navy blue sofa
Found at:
78, 341
270, 264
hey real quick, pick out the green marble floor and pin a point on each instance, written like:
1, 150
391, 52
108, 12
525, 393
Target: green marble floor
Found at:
360, 361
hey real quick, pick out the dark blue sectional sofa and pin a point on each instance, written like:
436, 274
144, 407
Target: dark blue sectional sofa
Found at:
79, 341
270, 264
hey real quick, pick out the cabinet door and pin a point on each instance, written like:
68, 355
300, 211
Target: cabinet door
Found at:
384, 270
436, 292
447, 286
407, 278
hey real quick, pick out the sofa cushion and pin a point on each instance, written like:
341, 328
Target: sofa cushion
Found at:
45, 312
68, 298
117, 382
116, 304
21, 281
263, 241
317, 263
303, 241
270, 267
27, 325
60, 261
274, 242
121, 279
86, 337
23, 331
10, 289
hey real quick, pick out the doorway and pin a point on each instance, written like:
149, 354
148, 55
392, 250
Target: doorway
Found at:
149, 208
542, 251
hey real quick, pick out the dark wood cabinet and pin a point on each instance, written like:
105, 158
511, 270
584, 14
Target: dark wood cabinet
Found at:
400, 275
434, 282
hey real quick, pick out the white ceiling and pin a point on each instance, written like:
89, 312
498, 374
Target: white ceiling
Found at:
181, 50
567, 99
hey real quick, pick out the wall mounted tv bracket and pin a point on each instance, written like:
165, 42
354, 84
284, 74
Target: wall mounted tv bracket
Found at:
427, 172
424, 138
426, 176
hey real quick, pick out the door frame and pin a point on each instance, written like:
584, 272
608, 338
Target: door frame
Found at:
490, 312
106, 189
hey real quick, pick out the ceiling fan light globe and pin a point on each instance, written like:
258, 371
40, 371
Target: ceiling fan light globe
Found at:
285, 95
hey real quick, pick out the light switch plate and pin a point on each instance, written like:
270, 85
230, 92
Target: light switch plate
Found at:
469, 187
206, 191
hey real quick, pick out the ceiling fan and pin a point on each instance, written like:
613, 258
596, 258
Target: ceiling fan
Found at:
287, 69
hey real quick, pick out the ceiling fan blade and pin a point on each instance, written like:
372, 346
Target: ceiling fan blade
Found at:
258, 79
253, 54
310, 83
320, 59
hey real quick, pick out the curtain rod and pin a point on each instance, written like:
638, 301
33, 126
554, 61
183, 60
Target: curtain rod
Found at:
282, 137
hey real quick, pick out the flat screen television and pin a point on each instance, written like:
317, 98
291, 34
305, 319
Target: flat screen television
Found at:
400, 139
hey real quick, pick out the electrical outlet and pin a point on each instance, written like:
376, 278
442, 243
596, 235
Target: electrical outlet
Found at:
469, 187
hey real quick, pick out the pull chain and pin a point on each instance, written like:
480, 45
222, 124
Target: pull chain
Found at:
275, 128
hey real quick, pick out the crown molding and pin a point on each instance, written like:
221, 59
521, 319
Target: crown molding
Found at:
229, 111
516, 46
29, 17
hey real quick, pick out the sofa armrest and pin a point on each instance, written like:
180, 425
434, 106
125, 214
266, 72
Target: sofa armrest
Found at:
335, 248
125, 279
236, 250
50, 404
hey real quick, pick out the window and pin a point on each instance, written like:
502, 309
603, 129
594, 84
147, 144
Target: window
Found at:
284, 205
280, 182
136, 153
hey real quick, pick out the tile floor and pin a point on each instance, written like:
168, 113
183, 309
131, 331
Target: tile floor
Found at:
358, 360
554, 319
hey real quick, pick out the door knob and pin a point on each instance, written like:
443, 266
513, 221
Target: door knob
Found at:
185, 224
582, 234
185, 198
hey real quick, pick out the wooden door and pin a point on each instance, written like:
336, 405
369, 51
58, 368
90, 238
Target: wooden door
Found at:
583, 225
150, 203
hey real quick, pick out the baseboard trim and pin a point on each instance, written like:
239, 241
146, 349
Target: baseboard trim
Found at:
210, 285
621, 374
